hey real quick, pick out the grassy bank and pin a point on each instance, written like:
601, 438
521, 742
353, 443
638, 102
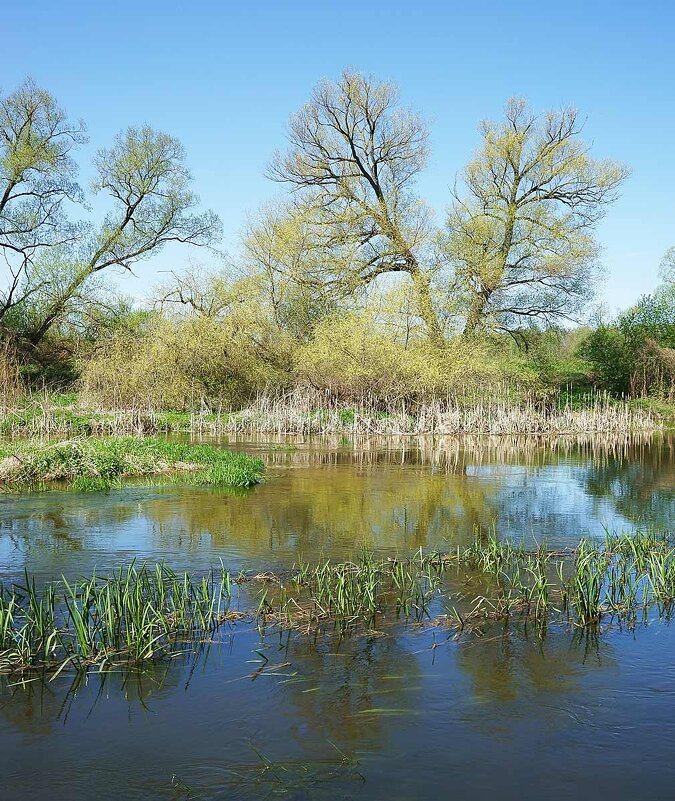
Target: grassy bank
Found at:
144, 613
308, 412
94, 464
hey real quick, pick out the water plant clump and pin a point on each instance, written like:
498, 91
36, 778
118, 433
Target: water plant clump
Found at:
88, 463
144, 613
139, 613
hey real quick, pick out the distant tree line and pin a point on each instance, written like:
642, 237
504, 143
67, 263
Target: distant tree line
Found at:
345, 279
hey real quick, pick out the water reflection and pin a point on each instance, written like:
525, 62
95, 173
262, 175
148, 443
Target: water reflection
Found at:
365, 717
323, 497
514, 712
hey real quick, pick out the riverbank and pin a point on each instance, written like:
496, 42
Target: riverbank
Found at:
304, 413
88, 463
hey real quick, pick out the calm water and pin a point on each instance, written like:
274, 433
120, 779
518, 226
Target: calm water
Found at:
375, 716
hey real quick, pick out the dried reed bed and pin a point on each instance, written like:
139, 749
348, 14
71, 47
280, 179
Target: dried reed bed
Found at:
308, 412
12, 390
305, 412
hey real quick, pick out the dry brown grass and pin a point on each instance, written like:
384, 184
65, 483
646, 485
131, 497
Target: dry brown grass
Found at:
310, 412
12, 389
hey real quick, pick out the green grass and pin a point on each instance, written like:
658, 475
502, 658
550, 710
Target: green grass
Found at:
135, 615
663, 409
92, 464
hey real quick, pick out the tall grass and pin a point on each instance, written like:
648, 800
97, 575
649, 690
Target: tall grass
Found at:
138, 614
496, 410
12, 389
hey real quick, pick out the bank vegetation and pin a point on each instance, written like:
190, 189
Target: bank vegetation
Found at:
349, 303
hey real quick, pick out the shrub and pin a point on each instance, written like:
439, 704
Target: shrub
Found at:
636, 354
351, 356
181, 365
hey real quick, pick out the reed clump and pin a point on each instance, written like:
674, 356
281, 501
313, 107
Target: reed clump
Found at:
138, 614
146, 613
621, 577
352, 592
494, 411
88, 463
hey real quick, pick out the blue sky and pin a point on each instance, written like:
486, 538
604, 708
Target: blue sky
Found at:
223, 77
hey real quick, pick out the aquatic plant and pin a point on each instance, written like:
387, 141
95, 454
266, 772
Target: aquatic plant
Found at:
137, 614
143, 613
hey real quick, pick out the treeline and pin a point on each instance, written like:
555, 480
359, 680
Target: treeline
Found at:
346, 283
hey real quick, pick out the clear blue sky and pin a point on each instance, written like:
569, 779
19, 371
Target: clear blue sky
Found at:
224, 76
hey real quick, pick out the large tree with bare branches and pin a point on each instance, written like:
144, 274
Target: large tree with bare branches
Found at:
521, 228
145, 176
354, 156
50, 260
37, 183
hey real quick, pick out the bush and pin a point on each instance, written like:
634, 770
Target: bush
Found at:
350, 356
636, 354
181, 365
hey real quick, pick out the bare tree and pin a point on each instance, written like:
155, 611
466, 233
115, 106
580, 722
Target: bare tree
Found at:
37, 180
294, 268
145, 175
354, 157
667, 267
198, 290
521, 233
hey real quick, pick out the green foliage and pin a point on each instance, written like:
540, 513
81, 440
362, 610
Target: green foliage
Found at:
636, 353
551, 356
95, 464
352, 356
137, 614
182, 364
520, 233
345, 288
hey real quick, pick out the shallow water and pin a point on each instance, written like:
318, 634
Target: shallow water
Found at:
379, 716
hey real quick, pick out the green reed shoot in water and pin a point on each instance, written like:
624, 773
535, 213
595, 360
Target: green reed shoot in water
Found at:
144, 613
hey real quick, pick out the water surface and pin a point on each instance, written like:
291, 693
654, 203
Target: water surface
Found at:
401, 713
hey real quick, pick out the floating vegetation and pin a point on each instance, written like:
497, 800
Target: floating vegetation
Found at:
147, 613
88, 463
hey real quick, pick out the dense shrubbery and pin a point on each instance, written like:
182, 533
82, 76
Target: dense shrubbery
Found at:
222, 362
188, 363
636, 354
351, 356
181, 364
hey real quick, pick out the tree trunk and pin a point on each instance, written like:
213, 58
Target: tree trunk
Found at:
475, 315
55, 310
425, 305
